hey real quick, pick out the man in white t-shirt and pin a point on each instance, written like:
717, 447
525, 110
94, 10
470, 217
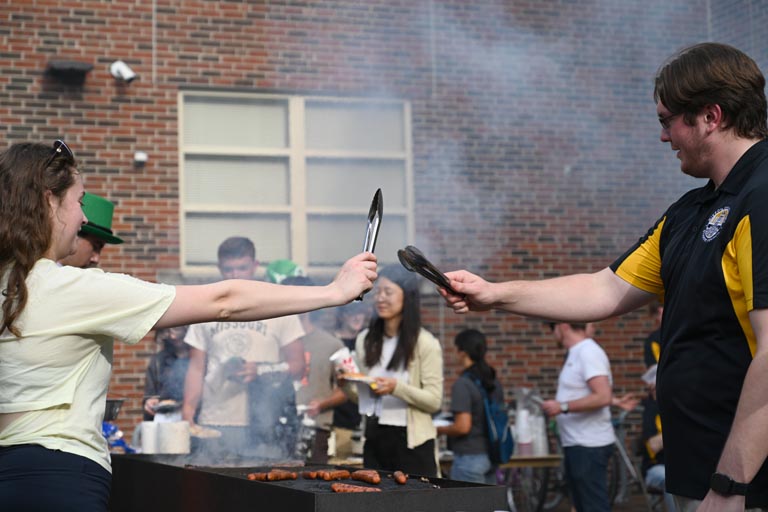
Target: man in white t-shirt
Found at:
241, 374
582, 409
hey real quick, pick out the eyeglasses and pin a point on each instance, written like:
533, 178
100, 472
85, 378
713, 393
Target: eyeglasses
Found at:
666, 121
59, 148
385, 293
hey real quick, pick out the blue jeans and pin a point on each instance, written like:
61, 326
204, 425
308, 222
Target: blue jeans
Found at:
36, 479
586, 470
473, 467
654, 480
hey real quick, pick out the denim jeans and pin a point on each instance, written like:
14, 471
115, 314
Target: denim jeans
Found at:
36, 479
654, 480
586, 470
473, 467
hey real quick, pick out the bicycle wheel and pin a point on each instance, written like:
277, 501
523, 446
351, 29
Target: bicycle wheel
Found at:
526, 488
556, 489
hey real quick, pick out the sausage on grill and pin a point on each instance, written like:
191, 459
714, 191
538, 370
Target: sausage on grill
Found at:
400, 477
281, 474
340, 487
370, 476
272, 476
338, 474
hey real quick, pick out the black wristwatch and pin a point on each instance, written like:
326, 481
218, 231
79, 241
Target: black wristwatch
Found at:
726, 486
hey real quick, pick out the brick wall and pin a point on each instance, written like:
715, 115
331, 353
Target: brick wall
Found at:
536, 147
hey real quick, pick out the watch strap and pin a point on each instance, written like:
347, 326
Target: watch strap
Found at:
727, 486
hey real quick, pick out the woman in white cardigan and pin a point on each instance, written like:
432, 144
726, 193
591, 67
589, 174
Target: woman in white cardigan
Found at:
406, 362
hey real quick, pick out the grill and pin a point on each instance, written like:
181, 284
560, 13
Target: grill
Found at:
168, 483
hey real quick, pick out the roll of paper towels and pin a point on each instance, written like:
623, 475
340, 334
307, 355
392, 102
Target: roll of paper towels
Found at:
524, 434
173, 437
149, 436
523, 427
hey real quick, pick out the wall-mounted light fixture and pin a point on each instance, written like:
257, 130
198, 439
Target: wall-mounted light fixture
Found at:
140, 159
122, 71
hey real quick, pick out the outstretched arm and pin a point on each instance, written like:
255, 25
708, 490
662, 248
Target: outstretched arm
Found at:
240, 300
574, 298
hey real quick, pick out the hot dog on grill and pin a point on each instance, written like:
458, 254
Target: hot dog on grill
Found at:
281, 474
400, 477
340, 487
370, 476
273, 476
309, 475
338, 474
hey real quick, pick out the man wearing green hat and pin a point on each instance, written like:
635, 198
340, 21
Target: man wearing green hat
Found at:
94, 234
278, 270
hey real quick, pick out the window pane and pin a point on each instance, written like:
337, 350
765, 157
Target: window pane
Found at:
354, 126
235, 122
269, 233
237, 181
347, 234
351, 183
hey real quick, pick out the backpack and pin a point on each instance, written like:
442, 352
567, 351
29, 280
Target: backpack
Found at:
501, 444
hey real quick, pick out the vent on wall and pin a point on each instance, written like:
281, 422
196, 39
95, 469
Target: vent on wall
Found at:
69, 72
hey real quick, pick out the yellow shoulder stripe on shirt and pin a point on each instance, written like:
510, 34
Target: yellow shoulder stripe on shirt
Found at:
737, 273
642, 268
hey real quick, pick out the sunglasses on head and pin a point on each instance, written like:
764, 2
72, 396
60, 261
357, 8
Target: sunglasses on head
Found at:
59, 148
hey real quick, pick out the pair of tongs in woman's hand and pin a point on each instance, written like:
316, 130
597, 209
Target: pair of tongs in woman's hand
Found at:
415, 261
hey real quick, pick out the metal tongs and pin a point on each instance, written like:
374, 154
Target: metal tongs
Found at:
415, 261
374, 221
375, 212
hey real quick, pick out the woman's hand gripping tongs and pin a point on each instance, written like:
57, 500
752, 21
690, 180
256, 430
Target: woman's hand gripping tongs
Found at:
415, 261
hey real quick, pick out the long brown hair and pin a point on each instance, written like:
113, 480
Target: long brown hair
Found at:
25, 224
410, 325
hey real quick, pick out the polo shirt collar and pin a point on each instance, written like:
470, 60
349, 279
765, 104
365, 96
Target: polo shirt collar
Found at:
743, 168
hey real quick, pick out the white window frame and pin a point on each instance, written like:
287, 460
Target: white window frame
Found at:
297, 155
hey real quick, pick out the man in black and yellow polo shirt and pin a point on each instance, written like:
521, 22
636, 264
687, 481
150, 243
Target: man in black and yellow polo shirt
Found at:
707, 259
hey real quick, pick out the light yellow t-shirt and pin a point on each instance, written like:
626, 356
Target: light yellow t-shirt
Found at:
225, 401
58, 371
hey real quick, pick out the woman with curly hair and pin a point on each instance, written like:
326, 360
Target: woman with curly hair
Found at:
59, 323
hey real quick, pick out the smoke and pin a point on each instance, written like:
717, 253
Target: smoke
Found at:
540, 125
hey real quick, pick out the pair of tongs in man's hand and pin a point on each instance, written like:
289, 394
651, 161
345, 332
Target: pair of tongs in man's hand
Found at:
415, 261
410, 257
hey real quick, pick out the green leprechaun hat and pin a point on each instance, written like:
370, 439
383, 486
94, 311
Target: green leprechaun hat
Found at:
99, 213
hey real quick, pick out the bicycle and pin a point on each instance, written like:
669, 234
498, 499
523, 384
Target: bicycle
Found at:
534, 489
525, 485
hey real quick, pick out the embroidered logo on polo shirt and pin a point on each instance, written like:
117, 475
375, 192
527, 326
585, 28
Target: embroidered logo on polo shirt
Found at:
715, 224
